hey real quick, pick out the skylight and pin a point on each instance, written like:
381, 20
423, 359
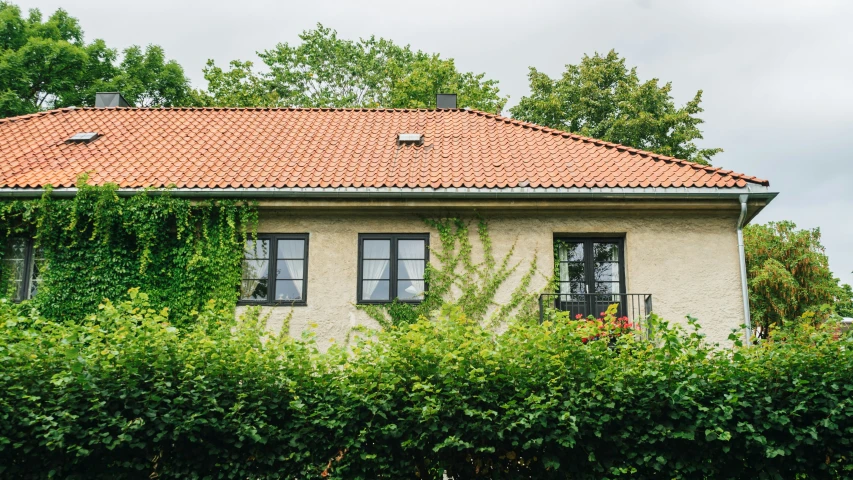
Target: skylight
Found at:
83, 137
416, 138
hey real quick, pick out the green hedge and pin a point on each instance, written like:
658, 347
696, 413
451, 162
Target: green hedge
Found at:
126, 395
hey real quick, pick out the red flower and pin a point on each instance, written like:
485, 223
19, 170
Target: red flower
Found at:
578, 316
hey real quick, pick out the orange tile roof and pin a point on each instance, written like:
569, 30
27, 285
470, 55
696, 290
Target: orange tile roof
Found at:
291, 147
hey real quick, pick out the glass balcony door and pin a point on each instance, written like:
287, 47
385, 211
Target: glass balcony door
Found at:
590, 274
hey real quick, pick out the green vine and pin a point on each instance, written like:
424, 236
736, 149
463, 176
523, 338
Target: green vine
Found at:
459, 280
98, 245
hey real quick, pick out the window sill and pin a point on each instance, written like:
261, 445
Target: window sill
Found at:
388, 302
244, 303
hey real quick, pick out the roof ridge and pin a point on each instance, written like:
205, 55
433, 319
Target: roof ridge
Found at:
299, 109
624, 148
28, 116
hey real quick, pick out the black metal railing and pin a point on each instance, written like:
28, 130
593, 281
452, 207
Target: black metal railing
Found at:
635, 306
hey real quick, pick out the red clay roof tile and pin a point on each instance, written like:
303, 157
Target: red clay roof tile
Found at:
290, 147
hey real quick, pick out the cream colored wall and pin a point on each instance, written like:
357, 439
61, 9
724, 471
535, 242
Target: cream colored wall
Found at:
687, 261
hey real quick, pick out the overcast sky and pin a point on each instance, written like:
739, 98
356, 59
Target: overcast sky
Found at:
776, 74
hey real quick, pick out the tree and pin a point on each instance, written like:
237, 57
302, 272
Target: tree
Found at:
844, 307
148, 79
326, 71
602, 98
237, 87
789, 274
47, 64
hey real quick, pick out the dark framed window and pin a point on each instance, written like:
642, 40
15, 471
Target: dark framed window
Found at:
22, 262
590, 272
392, 266
275, 270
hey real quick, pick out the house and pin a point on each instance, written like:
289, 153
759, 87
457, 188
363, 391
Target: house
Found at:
342, 193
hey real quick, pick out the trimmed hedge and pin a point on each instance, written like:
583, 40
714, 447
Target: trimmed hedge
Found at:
126, 395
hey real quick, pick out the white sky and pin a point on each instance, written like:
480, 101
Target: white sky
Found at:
776, 73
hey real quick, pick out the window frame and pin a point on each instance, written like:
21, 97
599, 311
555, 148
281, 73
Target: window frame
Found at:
589, 256
393, 261
29, 266
271, 280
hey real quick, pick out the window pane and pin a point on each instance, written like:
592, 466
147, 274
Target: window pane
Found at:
256, 268
570, 251
375, 269
572, 287
15, 271
572, 272
607, 272
606, 287
606, 252
288, 290
16, 249
375, 290
253, 289
38, 268
259, 249
410, 269
410, 289
291, 249
377, 249
410, 249
15, 267
289, 269
15, 274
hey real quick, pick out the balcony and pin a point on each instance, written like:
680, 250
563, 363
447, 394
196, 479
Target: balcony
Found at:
636, 306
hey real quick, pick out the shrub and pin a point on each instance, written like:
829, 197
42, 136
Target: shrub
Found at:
124, 394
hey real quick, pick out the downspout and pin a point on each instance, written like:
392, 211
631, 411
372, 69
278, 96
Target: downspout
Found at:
743, 283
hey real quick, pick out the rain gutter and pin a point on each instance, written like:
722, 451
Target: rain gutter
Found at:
743, 280
754, 191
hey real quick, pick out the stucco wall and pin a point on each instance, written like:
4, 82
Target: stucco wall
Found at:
687, 261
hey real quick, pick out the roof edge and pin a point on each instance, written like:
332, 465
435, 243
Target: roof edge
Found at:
754, 191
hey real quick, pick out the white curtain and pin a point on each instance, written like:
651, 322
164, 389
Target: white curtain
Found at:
410, 267
373, 269
254, 266
253, 272
290, 269
248, 288
411, 271
565, 286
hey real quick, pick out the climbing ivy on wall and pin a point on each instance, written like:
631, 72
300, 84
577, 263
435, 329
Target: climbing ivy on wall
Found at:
458, 279
98, 244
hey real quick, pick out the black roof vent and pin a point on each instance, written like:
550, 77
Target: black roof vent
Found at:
110, 99
85, 137
445, 100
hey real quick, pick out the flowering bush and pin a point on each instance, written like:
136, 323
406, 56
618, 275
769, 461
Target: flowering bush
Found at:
606, 326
